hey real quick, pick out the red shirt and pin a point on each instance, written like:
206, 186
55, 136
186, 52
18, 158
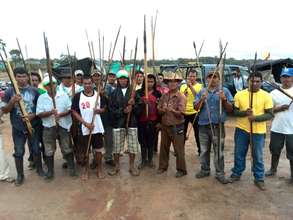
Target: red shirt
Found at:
152, 108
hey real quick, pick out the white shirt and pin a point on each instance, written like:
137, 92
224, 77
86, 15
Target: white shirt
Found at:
124, 90
283, 121
86, 106
63, 103
238, 83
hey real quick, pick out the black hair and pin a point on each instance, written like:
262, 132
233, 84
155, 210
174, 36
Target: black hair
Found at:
151, 76
161, 74
139, 72
37, 75
85, 77
255, 74
19, 70
192, 71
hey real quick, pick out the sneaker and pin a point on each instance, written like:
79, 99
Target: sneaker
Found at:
260, 184
202, 174
233, 178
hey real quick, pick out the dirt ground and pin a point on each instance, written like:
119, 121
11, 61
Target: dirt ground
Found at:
148, 196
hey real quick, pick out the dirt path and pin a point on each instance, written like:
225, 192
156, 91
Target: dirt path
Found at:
148, 196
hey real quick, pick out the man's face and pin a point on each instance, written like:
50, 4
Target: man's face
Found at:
172, 84
237, 73
151, 83
48, 88
35, 81
213, 80
78, 79
87, 85
111, 78
192, 77
160, 79
123, 82
139, 78
255, 82
67, 81
96, 78
22, 79
287, 81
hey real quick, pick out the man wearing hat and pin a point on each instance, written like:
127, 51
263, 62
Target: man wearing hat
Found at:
29, 95
207, 103
121, 104
172, 107
245, 135
66, 84
56, 122
282, 125
78, 77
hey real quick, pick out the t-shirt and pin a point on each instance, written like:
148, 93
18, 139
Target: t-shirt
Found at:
184, 89
63, 103
261, 101
84, 105
124, 90
29, 96
68, 90
283, 121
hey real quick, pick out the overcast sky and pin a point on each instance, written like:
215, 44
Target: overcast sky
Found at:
248, 26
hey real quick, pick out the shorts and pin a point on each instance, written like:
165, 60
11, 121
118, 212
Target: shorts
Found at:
97, 141
119, 136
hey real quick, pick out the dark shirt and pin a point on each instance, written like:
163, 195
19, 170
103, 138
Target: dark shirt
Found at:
29, 96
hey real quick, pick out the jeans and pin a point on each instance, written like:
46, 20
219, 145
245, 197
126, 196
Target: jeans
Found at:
207, 140
242, 139
19, 139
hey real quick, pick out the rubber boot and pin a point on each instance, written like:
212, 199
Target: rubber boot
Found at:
291, 168
71, 164
19, 168
274, 165
50, 165
38, 164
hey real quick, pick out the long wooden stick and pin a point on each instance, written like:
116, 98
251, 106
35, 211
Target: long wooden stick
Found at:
49, 69
70, 63
209, 85
133, 84
112, 55
145, 66
23, 61
21, 105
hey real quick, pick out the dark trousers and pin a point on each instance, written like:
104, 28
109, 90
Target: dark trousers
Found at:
278, 141
172, 135
190, 119
19, 140
146, 138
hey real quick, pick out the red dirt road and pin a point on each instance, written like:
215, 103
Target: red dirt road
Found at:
148, 196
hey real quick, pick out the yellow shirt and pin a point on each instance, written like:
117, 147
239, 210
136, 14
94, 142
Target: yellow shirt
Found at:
261, 101
190, 97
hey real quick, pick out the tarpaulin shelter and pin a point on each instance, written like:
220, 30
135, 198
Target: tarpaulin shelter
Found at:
271, 70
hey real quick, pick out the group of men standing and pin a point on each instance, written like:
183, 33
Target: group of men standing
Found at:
92, 116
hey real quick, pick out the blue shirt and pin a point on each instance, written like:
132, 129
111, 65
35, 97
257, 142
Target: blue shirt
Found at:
213, 106
63, 103
29, 96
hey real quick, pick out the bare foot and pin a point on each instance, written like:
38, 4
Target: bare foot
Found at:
85, 176
101, 174
134, 172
